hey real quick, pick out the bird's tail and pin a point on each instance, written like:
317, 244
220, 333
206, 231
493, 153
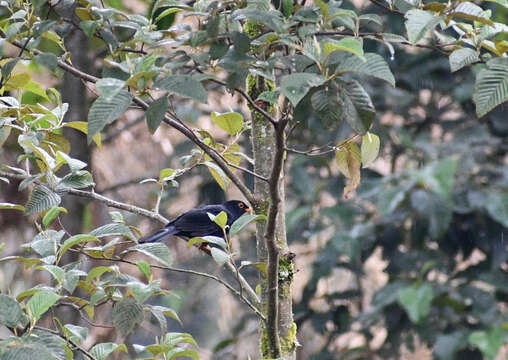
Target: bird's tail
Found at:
158, 236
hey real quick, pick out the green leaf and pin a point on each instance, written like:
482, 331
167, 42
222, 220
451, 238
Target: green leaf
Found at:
74, 240
220, 219
144, 267
496, 204
207, 239
219, 256
126, 315
262, 267
41, 198
374, 65
287, 7
109, 87
370, 148
181, 352
77, 333
156, 251
447, 345
40, 303
74, 164
9, 206
469, 11
419, 22
113, 229
155, 113
439, 176
218, 174
98, 271
101, 351
416, 300
11, 314
357, 107
488, 342
230, 122
83, 127
52, 214
463, 57
243, 221
77, 180
491, 87
184, 85
296, 86
271, 97
348, 44
104, 111
57, 272
17, 350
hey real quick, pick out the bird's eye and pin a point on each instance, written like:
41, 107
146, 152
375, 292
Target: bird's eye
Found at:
240, 205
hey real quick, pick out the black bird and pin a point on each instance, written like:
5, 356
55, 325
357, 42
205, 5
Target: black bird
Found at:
197, 223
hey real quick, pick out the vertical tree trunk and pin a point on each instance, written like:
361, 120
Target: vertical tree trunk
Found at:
74, 93
264, 145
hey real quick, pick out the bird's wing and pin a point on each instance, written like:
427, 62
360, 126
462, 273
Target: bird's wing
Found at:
196, 223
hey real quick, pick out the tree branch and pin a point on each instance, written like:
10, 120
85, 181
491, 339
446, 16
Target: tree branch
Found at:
152, 215
55, 332
197, 273
272, 308
171, 122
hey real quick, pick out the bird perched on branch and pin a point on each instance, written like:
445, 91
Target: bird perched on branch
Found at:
197, 223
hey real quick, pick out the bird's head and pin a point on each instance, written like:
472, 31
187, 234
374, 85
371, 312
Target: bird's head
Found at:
237, 208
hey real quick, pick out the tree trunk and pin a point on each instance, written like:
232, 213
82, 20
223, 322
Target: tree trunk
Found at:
264, 145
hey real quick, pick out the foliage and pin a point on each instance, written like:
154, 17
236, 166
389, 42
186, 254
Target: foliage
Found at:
327, 65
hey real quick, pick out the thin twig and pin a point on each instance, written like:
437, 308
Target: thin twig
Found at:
191, 272
55, 332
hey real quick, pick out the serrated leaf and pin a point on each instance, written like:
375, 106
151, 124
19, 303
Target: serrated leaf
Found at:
144, 267
230, 122
370, 148
77, 180
40, 303
11, 314
207, 239
74, 240
155, 113
219, 256
57, 272
104, 111
41, 198
462, 57
296, 86
348, 44
101, 351
109, 87
77, 333
357, 107
184, 85
74, 164
374, 65
52, 214
491, 87
419, 22
20, 351
113, 229
157, 251
243, 221
9, 206
126, 315
469, 11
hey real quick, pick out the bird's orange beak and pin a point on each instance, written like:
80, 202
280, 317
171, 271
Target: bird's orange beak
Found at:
249, 210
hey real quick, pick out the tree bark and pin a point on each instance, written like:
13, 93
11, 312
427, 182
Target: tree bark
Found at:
264, 144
